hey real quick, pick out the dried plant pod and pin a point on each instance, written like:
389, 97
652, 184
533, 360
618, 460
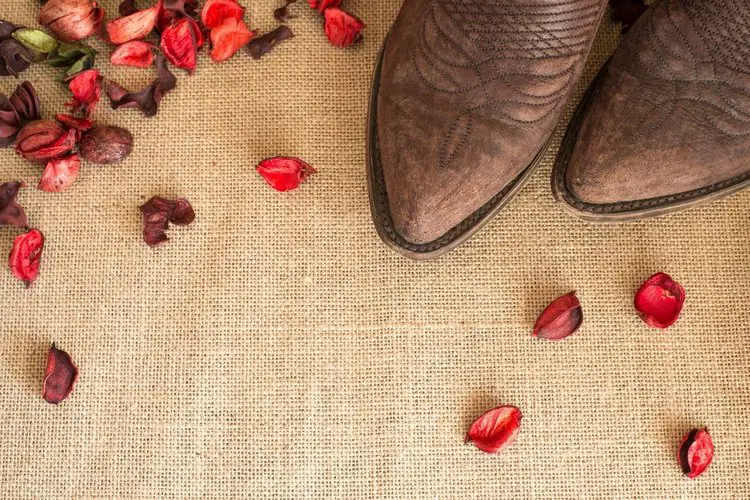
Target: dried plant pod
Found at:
696, 452
659, 301
71, 20
105, 144
60, 376
14, 58
496, 429
44, 140
560, 319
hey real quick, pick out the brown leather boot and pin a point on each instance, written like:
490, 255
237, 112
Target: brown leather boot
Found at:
466, 96
666, 124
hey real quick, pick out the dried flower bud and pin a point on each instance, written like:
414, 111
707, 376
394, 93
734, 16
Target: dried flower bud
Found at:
263, 45
284, 173
321, 5
15, 112
106, 144
71, 20
87, 90
229, 37
496, 429
60, 174
159, 212
135, 26
342, 28
659, 301
559, 319
216, 11
696, 452
136, 54
26, 256
180, 42
11, 213
44, 140
14, 58
60, 376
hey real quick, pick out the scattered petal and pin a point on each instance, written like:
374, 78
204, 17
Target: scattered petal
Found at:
14, 58
87, 90
284, 173
11, 213
696, 452
560, 319
26, 256
60, 174
496, 429
60, 376
180, 42
136, 26
159, 212
173, 10
80, 125
229, 37
659, 301
147, 100
106, 144
342, 28
6, 29
263, 45
22, 107
71, 20
322, 5
627, 12
44, 140
136, 54
215, 12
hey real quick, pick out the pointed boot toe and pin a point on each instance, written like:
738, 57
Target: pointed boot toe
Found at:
666, 123
465, 98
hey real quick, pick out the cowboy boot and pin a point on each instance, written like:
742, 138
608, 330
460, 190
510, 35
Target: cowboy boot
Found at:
466, 96
666, 124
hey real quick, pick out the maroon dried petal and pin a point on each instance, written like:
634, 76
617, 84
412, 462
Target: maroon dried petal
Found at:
560, 319
147, 100
627, 12
127, 7
6, 30
159, 212
11, 213
282, 13
496, 429
106, 144
263, 45
26, 103
696, 452
26, 256
60, 376
14, 58
659, 301
183, 213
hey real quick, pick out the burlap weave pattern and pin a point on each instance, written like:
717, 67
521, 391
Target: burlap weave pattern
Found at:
276, 348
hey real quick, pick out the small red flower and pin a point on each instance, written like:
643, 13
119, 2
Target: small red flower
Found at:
321, 5
26, 256
559, 319
696, 452
136, 54
60, 174
136, 26
60, 376
659, 301
284, 173
342, 28
229, 37
180, 42
216, 11
87, 90
496, 429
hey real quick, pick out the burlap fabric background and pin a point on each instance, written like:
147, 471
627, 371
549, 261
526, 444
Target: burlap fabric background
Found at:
276, 348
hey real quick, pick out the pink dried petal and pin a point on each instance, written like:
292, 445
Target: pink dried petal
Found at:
496, 429
60, 376
322, 5
229, 37
696, 452
179, 42
659, 301
136, 54
136, 26
216, 11
87, 90
26, 256
60, 174
559, 319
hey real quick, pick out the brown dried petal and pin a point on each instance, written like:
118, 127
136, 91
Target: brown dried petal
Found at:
559, 319
263, 45
282, 13
147, 100
106, 144
11, 213
14, 58
159, 212
6, 29
127, 7
26, 103
60, 376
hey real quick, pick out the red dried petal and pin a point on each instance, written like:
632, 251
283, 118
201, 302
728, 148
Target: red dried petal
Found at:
60, 174
284, 173
87, 90
136, 54
45, 140
80, 125
321, 5
11, 213
60, 376
179, 42
26, 256
229, 37
627, 12
696, 452
215, 12
342, 28
159, 212
71, 20
496, 429
560, 319
135, 26
659, 301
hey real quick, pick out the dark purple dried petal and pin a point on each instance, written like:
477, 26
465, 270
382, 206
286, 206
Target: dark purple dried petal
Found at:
263, 45
14, 58
11, 213
159, 212
147, 100
6, 30
282, 13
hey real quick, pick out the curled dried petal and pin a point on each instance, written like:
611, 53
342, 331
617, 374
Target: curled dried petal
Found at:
174, 10
87, 90
45, 140
136, 54
180, 43
26, 256
627, 12
263, 45
159, 212
659, 301
15, 112
14, 58
60, 376
60, 174
80, 125
11, 213
71, 20
322, 5
215, 12
135, 26
147, 100
696, 452
342, 28
284, 173
559, 319
229, 37
496, 429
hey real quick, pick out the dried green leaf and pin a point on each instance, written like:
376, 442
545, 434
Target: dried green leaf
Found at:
36, 40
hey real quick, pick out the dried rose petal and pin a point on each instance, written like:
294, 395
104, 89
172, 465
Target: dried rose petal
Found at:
659, 301
135, 26
173, 10
263, 45
627, 12
159, 212
87, 90
148, 99
180, 42
71, 20
559, 319
342, 28
80, 125
696, 452
215, 12
321, 5
496, 429
60, 174
106, 144
45, 140
14, 58
26, 256
229, 37
60, 376
11, 213
284, 173
282, 13
136, 54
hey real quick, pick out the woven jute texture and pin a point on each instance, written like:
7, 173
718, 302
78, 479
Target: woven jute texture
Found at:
276, 348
